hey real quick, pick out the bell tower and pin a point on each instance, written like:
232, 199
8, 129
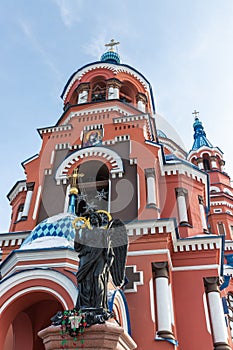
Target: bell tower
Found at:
210, 159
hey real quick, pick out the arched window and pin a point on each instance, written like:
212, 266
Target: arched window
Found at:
98, 92
128, 93
94, 185
206, 162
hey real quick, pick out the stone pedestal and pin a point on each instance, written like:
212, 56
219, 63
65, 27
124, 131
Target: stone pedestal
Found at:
107, 336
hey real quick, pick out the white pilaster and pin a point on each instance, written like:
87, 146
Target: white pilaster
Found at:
182, 207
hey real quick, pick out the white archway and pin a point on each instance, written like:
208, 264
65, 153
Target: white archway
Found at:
112, 157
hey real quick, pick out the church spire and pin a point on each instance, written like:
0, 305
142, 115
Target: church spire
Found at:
200, 138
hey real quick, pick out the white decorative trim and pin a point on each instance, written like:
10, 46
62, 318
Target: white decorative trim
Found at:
207, 318
93, 127
135, 283
20, 187
64, 265
34, 256
60, 146
152, 299
214, 188
118, 297
37, 203
196, 268
114, 68
46, 274
227, 191
114, 159
33, 289
18, 237
194, 243
221, 203
131, 118
92, 111
228, 245
55, 129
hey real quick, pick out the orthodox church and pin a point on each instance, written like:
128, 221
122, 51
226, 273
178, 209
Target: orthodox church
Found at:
177, 208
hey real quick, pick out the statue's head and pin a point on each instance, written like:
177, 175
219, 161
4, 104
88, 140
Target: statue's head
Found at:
95, 220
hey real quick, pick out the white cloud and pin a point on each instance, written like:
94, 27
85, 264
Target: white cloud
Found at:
69, 11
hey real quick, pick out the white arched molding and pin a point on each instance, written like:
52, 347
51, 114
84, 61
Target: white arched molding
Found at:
30, 275
214, 188
100, 152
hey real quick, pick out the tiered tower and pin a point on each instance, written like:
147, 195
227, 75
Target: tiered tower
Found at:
107, 132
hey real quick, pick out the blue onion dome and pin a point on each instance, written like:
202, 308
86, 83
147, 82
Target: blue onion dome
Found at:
56, 231
200, 138
110, 57
197, 125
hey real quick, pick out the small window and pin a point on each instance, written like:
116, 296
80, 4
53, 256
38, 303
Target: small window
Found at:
221, 228
217, 210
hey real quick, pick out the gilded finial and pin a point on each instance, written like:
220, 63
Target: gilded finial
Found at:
74, 181
112, 44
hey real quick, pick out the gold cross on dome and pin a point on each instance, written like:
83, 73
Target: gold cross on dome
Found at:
74, 177
112, 44
195, 113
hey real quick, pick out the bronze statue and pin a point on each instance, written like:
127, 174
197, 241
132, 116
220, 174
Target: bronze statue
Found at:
101, 243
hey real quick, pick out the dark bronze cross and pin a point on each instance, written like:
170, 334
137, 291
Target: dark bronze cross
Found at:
112, 44
195, 113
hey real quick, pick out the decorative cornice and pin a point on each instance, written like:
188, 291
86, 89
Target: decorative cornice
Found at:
13, 239
20, 186
92, 111
35, 258
108, 155
52, 129
114, 68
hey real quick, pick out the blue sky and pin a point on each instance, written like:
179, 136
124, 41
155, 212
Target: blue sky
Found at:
183, 47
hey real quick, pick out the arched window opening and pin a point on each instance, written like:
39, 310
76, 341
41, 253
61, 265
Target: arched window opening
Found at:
98, 91
128, 93
94, 184
206, 162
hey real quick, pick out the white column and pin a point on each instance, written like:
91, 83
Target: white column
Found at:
141, 106
164, 327
222, 164
151, 189
182, 207
218, 323
200, 163
82, 96
113, 92
202, 212
213, 162
20, 212
141, 102
30, 187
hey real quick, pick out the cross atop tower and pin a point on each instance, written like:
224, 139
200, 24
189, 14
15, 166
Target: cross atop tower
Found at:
112, 44
195, 113
74, 178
